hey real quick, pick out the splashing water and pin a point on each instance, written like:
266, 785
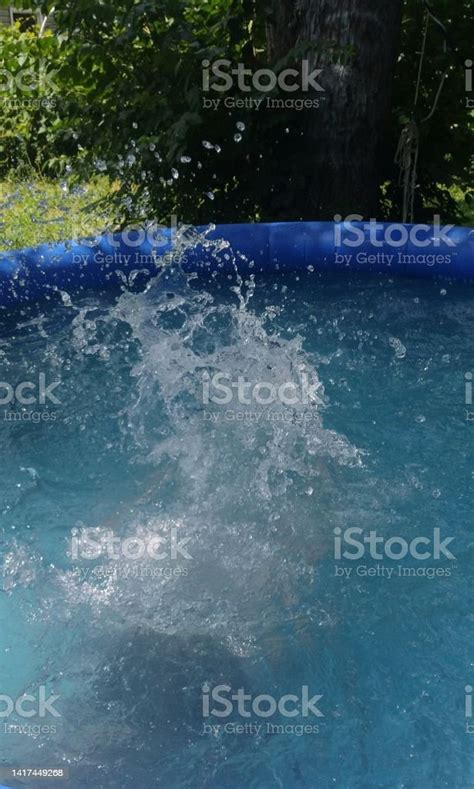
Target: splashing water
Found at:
234, 426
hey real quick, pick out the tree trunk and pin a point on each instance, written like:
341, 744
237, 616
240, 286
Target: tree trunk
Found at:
343, 139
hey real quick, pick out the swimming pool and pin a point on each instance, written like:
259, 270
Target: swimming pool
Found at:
185, 498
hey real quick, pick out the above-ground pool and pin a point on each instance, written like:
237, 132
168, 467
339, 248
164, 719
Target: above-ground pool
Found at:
250, 486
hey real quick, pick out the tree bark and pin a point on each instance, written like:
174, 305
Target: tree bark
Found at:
343, 139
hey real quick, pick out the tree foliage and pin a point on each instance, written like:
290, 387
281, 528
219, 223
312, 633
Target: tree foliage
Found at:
29, 98
129, 80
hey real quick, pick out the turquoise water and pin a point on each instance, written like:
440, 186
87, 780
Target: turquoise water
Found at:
247, 591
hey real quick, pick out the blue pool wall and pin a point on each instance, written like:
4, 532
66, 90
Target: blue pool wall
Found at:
30, 274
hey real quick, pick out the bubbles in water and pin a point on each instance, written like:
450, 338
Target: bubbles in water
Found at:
240, 126
237, 137
18, 567
185, 159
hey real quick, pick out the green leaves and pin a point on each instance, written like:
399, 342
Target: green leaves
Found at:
128, 93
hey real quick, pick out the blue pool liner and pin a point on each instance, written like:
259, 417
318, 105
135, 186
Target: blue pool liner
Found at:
109, 260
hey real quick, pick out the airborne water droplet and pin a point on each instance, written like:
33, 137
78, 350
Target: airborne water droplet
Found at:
399, 348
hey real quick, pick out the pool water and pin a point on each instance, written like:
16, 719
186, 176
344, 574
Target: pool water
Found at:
168, 423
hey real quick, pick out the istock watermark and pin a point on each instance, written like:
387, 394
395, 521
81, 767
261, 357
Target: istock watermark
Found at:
134, 245
29, 393
468, 709
146, 555
30, 86
271, 400
30, 708
260, 87
92, 543
352, 232
469, 83
38, 77
353, 544
468, 394
261, 714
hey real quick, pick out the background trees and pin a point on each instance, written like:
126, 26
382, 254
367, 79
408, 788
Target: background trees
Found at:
346, 140
131, 106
